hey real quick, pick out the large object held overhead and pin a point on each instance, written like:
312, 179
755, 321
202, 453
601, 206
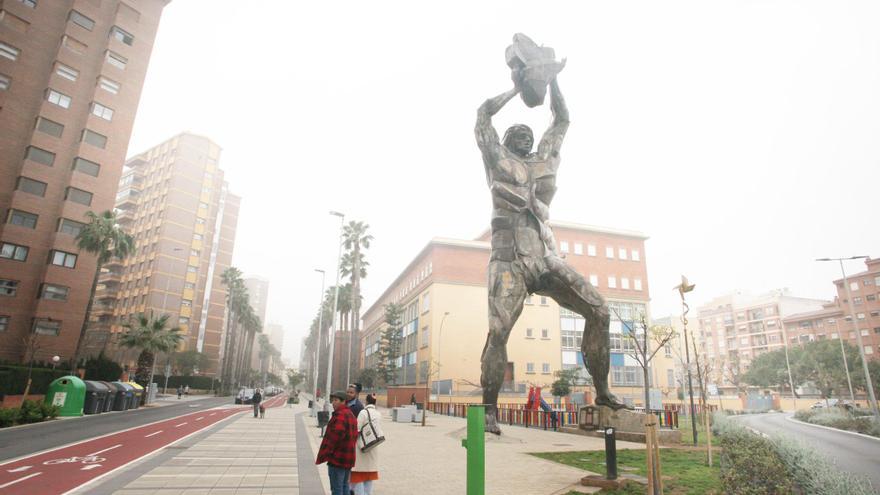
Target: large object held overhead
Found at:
532, 68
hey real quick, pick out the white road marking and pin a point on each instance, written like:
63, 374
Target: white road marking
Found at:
200, 418
181, 424
105, 450
19, 480
212, 414
91, 466
18, 469
152, 434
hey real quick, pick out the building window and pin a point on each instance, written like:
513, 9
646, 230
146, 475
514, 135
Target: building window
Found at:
192, 269
81, 20
197, 237
529, 299
594, 280
31, 186
624, 283
591, 250
8, 287
425, 337
186, 303
9, 51
66, 72
4, 323
86, 166
529, 333
200, 221
29, 3
99, 110
40, 155
637, 284
183, 320
78, 196
121, 35
70, 227
108, 85
47, 327
545, 333
203, 204
634, 255
54, 292
853, 286
563, 246
74, 44
60, 99
869, 350
612, 283
543, 300
426, 302
189, 285
545, 368
22, 218
578, 249
14, 252
93, 138
860, 316
667, 349
4, 82
609, 252
61, 258
621, 253
530, 368
857, 300
194, 252
49, 127
116, 60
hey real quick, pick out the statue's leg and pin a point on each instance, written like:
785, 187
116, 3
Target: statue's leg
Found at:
569, 288
507, 292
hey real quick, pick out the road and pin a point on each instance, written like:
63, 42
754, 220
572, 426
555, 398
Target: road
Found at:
852, 453
59, 470
16, 442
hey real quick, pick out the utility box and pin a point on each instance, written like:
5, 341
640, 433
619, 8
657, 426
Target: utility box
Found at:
69, 394
96, 396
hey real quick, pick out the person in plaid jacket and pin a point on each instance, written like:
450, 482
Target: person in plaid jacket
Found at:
338, 446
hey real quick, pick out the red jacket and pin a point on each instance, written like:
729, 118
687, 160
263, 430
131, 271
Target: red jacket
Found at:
340, 439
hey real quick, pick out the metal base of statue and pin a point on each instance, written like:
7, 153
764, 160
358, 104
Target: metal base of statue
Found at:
524, 259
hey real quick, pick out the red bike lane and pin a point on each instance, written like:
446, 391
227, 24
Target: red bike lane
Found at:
58, 471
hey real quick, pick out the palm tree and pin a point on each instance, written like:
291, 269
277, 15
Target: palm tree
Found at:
251, 325
265, 352
236, 297
151, 336
105, 239
355, 238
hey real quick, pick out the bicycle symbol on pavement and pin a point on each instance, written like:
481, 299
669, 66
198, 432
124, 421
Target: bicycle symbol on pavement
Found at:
89, 459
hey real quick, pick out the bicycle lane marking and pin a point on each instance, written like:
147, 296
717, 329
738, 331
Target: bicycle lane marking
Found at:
65, 469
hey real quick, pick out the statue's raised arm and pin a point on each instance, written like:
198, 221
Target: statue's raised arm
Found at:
487, 137
551, 142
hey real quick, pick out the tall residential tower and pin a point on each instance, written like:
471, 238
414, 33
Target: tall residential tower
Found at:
71, 73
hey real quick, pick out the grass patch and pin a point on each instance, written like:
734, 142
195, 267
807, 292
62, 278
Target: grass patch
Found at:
684, 471
687, 434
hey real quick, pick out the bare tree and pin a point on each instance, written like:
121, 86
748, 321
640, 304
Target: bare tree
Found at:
644, 338
31, 344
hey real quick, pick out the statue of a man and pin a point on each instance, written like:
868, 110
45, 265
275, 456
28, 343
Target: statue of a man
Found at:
524, 259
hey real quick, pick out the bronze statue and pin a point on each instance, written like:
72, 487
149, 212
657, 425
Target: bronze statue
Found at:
524, 259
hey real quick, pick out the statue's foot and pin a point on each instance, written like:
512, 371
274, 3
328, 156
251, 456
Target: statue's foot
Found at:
492, 421
609, 400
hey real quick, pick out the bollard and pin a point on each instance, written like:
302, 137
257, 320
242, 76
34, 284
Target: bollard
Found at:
475, 443
610, 454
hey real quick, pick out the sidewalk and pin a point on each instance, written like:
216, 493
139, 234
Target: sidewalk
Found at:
245, 456
430, 460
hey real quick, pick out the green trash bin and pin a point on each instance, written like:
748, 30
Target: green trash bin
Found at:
69, 394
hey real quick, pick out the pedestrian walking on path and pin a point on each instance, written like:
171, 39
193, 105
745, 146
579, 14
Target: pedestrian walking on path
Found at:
366, 466
257, 398
338, 446
179, 391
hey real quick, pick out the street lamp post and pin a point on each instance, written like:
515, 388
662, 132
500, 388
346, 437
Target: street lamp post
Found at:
318, 345
852, 312
428, 370
440, 348
332, 335
682, 288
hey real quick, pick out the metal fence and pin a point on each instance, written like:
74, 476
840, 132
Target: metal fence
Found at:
516, 414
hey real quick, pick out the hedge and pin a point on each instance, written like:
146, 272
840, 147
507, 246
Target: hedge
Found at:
13, 379
755, 464
194, 382
30, 412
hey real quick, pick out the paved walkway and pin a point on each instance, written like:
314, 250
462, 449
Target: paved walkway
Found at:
245, 456
430, 460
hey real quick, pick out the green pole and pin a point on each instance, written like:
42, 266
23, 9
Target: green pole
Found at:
475, 443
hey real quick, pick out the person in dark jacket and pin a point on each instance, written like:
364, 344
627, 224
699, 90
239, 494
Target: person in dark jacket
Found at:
258, 397
338, 446
352, 400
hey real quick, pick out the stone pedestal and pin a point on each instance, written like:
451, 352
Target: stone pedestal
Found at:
628, 425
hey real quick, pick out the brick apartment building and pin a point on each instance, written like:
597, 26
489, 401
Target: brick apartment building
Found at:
834, 319
174, 200
443, 296
71, 73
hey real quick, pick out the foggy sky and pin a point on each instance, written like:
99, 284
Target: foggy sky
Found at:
742, 137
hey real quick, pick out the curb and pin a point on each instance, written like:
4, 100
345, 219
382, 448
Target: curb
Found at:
790, 418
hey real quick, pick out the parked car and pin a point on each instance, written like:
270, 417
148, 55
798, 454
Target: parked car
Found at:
245, 396
844, 404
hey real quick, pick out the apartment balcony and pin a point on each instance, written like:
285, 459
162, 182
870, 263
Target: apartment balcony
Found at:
125, 217
103, 308
108, 291
136, 161
110, 276
127, 199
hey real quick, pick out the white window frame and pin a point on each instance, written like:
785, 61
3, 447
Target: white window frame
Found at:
621, 253
624, 283
635, 255
109, 85
102, 111
637, 284
609, 252
563, 246
9, 51
116, 60
5, 82
591, 250
66, 72
58, 98
594, 280
578, 249
612, 282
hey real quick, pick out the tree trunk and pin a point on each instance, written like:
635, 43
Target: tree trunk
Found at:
85, 325
353, 342
224, 369
150, 381
647, 389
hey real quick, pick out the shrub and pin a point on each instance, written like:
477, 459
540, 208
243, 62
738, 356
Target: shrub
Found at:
30, 412
194, 382
13, 379
102, 368
751, 466
841, 419
8, 417
815, 473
